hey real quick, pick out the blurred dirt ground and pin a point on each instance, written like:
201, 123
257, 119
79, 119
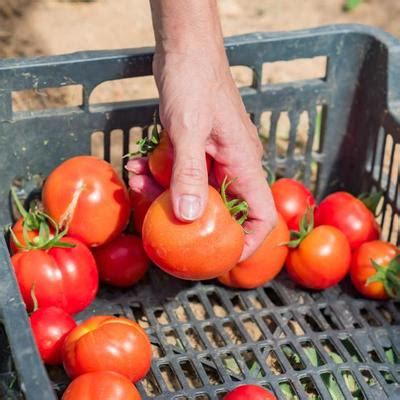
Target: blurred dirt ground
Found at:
46, 27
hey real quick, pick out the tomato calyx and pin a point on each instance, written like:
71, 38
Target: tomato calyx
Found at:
306, 226
271, 177
239, 209
37, 220
389, 276
371, 201
149, 143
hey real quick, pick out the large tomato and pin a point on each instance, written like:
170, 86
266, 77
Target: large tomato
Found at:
121, 262
263, 265
202, 249
50, 326
350, 215
292, 199
101, 385
161, 161
140, 203
107, 343
85, 194
362, 269
322, 259
249, 392
62, 277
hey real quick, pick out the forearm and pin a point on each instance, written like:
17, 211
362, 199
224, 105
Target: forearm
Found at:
182, 26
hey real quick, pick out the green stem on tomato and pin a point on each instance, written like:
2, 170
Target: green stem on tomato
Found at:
239, 209
389, 276
149, 143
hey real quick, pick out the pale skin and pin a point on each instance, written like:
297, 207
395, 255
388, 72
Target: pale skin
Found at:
201, 109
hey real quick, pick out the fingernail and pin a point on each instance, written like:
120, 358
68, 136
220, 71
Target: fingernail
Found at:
189, 207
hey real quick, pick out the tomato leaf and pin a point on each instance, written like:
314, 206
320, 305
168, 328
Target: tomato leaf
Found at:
350, 5
371, 200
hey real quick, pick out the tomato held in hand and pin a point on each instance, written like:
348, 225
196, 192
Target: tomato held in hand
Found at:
121, 262
86, 195
140, 204
375, 282
61, 277
350, 215
264, 264
249, 392
102, 385
50, 326
321, 260
161, 157
107, 343
202, 249
292, 199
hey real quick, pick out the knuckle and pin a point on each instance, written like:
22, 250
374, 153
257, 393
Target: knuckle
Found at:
191, 173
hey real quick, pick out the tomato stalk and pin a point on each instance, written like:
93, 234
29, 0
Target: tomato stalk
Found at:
389, 276
149, 143
239, 209
371, 201
306, 226
37, 221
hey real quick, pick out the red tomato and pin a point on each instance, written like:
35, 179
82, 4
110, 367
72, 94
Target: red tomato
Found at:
62, 277
101, 385
350, 215
362, 269
264, 264
107, 343
18, 230
50, 326
161, 161
121, 262
249, 392
291, 199
140, 204
202, 249
85, 194
321, 260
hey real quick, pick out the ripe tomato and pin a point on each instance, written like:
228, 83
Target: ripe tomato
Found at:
321, 260
18, 230
202, 249
350, 215
249, 392
85, 194
264, 264
121, 262
362, 269
161, 161
62, 277
101, 385
291, 199
50, 326
140, 204
107, 343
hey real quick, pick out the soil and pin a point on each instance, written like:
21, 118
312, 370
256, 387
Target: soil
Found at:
47, 27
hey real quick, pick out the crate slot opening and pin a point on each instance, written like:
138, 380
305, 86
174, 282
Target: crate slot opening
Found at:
213, 336
127, 89
295, 70
47, 98
242, 75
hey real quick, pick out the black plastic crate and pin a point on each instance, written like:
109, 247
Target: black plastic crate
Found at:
208, 339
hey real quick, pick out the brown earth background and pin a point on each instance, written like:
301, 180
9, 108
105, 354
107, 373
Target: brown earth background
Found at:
47, 27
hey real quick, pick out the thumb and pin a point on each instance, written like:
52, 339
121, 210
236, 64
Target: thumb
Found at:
189, 183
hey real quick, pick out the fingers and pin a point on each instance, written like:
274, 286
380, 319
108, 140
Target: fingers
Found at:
189, 183
249, 183
138, 166
145, 184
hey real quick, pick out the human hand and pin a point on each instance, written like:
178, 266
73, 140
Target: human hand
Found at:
202, 112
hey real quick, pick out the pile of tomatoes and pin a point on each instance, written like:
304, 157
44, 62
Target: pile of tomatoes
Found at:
82, 235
